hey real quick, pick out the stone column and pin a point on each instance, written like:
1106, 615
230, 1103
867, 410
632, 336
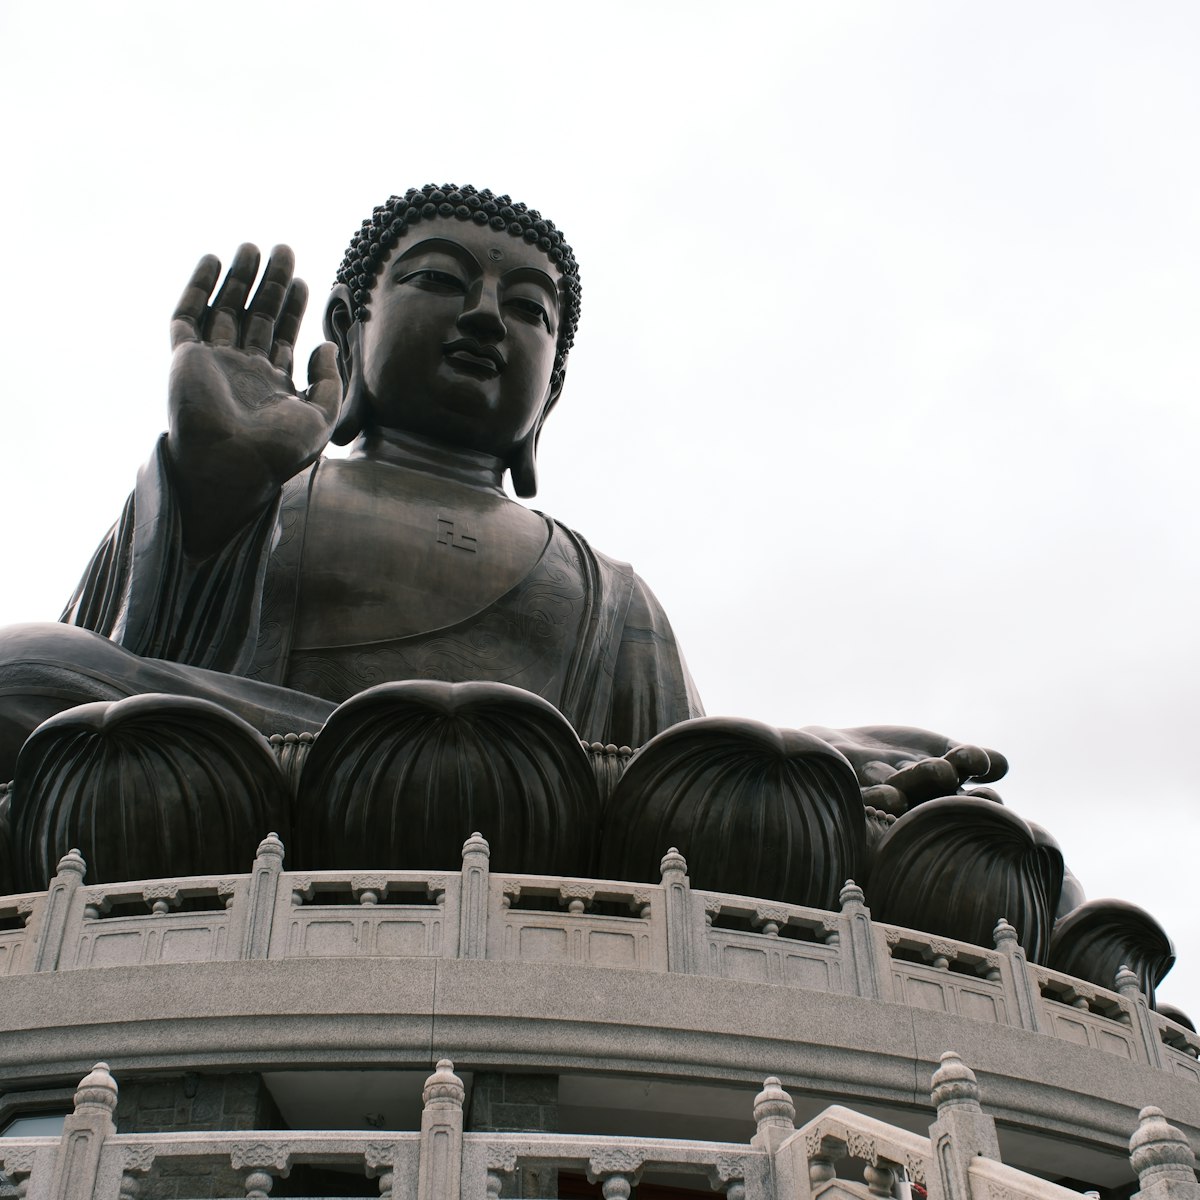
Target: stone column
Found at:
962, 1131
1130, 989
1014, 971
473, 898
57, 909
261, 897
83, 1135
858, 950
1163, 1159
439, 1175
774, 1116
683, 948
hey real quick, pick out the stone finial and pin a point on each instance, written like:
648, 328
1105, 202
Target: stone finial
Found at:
954, 1085
443, 1086
1004, 932
476, 844
851, 893
773, 1107
72, 863
1126, 980
97, 1091
673, 861
270, 847
1160, 1152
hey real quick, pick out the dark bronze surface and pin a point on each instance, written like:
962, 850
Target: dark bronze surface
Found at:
251, 587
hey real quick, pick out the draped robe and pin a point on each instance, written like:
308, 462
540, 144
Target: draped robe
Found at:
580, 629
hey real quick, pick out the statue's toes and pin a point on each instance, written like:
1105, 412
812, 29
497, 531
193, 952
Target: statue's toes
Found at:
148, 786
402, 774
757, 811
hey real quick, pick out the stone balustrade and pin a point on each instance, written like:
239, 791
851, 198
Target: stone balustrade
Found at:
839, 1153
669, 926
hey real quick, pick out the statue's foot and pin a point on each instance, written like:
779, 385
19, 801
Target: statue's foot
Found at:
404, 773
144, 787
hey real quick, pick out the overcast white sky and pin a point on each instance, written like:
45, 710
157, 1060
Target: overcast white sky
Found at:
886, 378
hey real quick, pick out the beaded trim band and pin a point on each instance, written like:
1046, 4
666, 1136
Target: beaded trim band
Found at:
370, 247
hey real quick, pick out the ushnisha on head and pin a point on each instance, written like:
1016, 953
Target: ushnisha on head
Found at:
388, 237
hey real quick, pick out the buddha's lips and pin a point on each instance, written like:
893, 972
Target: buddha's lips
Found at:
470, 353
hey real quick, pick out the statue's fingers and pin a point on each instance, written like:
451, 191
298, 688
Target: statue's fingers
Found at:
997, 767
971, 762
258, 328
188, 316
926, 780
225, 316
324, 382
287, 328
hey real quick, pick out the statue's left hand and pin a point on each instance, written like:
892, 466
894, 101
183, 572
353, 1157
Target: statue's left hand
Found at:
898, 766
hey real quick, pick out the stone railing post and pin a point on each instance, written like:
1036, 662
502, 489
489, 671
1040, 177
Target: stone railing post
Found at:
616, 1171
859, 963
1163, 1159
1129, 988
962, 1131
265, 1162
57, 909
683, 949
1015, 974
84, 1131
473, 898
774, 1116
261, 897
439, 1176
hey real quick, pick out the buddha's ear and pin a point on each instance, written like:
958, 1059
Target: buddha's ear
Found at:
346, 334
339, 318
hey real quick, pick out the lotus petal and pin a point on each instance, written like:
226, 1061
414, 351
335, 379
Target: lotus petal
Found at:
956, 866
759, 811
1101, 936
404, 773
148, 786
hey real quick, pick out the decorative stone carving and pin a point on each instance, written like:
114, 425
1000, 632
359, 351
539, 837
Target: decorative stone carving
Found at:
444, 1086
728, 1167
1160, 1153
501, 1158
1102, 935
276, 1155
379, 1154
128, 782
858, 1145
760, 811
954, 1085
613, 1161
16, 1161
97, 1091
403, 772
955, 866
139, 1158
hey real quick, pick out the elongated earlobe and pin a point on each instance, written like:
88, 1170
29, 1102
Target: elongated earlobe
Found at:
353, 414
523, 466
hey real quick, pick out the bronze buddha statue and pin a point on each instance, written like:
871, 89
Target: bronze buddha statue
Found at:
378, 655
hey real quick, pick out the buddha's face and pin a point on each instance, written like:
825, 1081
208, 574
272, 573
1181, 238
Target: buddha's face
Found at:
459, 346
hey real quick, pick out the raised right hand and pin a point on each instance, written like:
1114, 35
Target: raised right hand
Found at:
238, 427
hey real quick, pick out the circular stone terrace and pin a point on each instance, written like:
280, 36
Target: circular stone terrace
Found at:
337, 977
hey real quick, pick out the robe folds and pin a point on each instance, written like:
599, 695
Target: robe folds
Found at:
581, 630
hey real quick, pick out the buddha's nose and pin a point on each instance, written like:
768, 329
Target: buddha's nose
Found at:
481, 317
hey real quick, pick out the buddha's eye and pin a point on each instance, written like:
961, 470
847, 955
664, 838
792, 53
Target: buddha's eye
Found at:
531, 309
434, 281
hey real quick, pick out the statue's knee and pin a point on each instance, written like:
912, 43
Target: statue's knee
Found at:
50, 642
